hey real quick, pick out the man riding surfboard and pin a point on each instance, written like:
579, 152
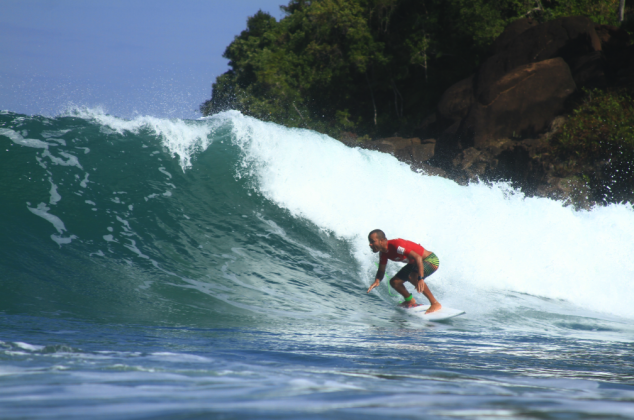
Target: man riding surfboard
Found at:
421, 263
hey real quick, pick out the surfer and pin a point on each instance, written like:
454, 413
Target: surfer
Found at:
421, 263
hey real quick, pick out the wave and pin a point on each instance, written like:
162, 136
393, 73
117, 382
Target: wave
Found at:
229, 219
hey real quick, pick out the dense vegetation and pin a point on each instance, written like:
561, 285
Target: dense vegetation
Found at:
374, 67
597, 141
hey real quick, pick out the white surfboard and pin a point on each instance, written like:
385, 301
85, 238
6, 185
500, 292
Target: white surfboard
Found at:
442, 314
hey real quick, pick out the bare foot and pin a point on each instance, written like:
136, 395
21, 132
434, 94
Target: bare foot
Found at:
411, 304
435, 307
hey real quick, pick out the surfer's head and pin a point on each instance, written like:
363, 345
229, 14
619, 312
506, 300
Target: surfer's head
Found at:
378, 241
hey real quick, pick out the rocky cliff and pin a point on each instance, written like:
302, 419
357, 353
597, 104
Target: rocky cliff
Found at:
498, 123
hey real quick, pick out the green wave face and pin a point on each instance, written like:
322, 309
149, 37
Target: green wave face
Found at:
106, 224
230, 221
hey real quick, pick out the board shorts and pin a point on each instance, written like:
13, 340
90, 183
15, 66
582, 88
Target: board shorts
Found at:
430, 265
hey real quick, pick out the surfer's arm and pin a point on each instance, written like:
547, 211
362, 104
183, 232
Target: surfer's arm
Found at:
379, 276
420, 285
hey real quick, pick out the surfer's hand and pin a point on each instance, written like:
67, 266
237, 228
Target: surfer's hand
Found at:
420, 286
375, 284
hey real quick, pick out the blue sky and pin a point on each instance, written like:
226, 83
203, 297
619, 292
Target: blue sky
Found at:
128, 57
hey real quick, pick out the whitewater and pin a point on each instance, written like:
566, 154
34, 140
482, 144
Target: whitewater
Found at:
218, 268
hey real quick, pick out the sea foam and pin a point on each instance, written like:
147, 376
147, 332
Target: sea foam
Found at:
490, 239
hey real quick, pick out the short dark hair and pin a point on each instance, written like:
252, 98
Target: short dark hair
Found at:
379, 234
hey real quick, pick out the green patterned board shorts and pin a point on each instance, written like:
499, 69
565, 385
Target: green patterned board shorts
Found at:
430, 265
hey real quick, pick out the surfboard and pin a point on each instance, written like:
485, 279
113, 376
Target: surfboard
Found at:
444, 313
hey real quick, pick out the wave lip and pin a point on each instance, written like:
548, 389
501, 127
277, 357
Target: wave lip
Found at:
170, 203
490, 239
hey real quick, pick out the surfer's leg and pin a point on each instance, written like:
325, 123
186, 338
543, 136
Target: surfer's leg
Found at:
430, 265
398, 283
435, 305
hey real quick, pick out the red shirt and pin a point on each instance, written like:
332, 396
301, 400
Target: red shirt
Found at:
399, 249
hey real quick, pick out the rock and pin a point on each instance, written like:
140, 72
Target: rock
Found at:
428, 121
467, 158
425, 151
451, 141
428, 127
571, 190
564, 37
521, 162
510, 33
430, 170
498, 123
619, 54
348, 138
621, 67
612, 38
401, 148
456, 101
522, 102
555, 125
398, 142
589, 70
395, 145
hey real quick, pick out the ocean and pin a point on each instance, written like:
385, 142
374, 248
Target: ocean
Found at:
217, 268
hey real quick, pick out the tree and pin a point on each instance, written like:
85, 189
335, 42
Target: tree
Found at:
371, 66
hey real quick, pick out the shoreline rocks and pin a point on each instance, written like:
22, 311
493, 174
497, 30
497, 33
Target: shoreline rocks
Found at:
496, 125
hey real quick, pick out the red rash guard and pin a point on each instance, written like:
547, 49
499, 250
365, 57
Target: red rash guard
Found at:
399, 249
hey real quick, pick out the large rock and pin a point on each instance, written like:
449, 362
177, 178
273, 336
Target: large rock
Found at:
521, 102
510, 33
612, 38
424, 151
589, 70
456, 101
567, 38
619, 55
394, 145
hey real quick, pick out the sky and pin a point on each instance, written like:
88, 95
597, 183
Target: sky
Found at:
129, 58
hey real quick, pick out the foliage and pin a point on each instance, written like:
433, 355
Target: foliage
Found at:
371, 66
600, 11
598, 138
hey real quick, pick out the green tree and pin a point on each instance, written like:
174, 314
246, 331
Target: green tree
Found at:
598, 142
372, 66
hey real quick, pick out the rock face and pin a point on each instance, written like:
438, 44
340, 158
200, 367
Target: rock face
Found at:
455, 102
520, 103
525, 83
567, 38
496, 124
532, 72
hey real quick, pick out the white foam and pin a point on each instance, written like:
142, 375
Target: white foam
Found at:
55, 197
181, 137
109, 238
84, 182
488, 238
17, 138
179, 357
27, 346
164, 171
61, 240
51, 134
70, 159
132, 247
42, 211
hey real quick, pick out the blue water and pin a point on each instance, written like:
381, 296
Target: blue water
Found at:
218, 268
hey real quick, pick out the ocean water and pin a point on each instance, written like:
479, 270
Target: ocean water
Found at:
218, 268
